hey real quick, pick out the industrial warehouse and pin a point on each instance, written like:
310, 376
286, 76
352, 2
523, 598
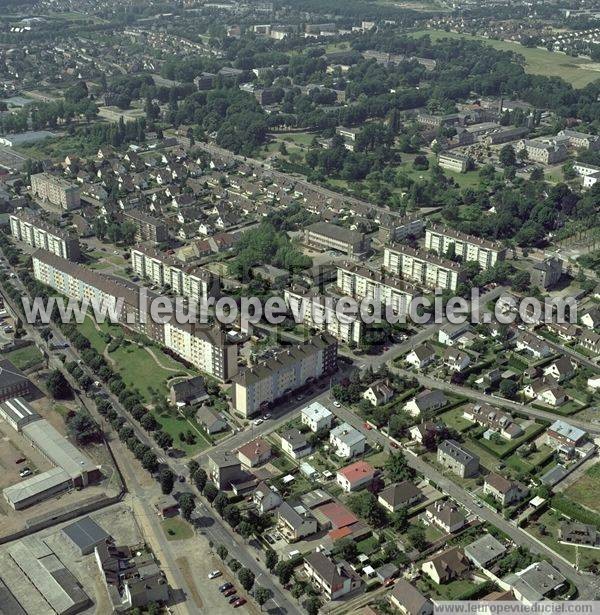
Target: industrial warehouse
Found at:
72, 468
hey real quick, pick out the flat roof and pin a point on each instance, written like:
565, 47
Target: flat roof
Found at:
18, 410
35, 485
58, 449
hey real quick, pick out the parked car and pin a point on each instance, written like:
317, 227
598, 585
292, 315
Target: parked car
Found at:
233, 598
225, 587
21, 460
257, 421
230, 592
25, 472
239, 602
337, 404
213, 574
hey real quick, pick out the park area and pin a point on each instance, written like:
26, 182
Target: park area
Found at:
579, 72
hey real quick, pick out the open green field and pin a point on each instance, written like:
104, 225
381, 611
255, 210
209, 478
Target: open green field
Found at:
176, 528
586, 490
24, 358
577, 71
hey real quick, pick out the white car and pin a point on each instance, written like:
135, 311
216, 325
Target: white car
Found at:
266, 416
25, 472
337, 404
258, 421
214, 574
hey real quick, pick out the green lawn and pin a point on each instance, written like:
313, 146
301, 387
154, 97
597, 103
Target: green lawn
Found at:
577, 71
176, 528
24, 358
502, 447
454, 418
521, 464
586, 489
448, 591
174, 424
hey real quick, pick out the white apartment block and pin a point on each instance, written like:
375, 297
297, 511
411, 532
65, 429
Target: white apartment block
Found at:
469, 248
318, 312
205, 347
360, 283
453, 162
290, 369
37, 233
55, 190
422, 267
195, 283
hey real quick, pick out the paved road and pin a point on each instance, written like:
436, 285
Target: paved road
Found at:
589, 587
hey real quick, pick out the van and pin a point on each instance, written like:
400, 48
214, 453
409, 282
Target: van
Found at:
293, 554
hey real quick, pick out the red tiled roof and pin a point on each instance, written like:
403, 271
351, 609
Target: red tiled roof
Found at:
357, 470
338, 514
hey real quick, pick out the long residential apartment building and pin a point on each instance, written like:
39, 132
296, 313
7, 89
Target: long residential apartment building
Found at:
206, 347
318, 311
56, 190
360, 282
32, 230
288, 370
546, 151
467, 247
196, 283
423, 267
148, 228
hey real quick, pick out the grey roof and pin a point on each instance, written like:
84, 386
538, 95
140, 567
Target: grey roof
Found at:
85, 533
315, 498
58, 449
9, 374
536, 581
339, 233
8, 603
400, 494
292, 516
191, 388
484, 550
295, 438
224, 459
409, 597
37, 484
347, 434
19, 411
453, 449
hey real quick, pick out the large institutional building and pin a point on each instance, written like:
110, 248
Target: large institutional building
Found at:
327, 236
205, 347
55, 190
469, 248
423, 267
289, 369
196, 283
36, 232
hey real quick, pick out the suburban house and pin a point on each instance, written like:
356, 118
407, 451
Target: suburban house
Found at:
533, 345
265, 498
334, 580
575, 533
355, 476
538, 581
547, 391
166, 506
456, 360
562, 435
295, 522
409, 600
347, 441
190, 391
561, 370
446, 515
452, 455
506, 492
494, 419
421, 356
419, 432
484, 551
426, 401
316, 417
254, 453
295, 444
224, 468
591, 318
399, 495
450, 334
378, 393
447, 566
212, 421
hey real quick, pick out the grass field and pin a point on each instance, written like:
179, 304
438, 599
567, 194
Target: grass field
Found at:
24, 358
585, 490
577, 71
177, 529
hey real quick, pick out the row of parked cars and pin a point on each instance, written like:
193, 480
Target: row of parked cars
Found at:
228, 590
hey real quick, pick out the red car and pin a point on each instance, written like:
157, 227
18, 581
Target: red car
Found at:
394, 445
239, 602
230, 592
367, 426
389, 582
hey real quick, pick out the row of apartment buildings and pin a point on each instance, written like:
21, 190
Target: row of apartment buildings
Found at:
32, 230
291, 368
196, 283
55, 190
207, 348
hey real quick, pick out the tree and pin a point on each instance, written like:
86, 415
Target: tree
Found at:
82, 427
284, 571
262, 595
508, 388
244, 529
193, 467
416, 537
231, 514
163, 439
271, 559
58, 386
222, 552
507, 156
187, 505
220, 503
150, 461
210, 492
246, 578
166, 478
312, 605
200, 478
397, 467
400, 519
